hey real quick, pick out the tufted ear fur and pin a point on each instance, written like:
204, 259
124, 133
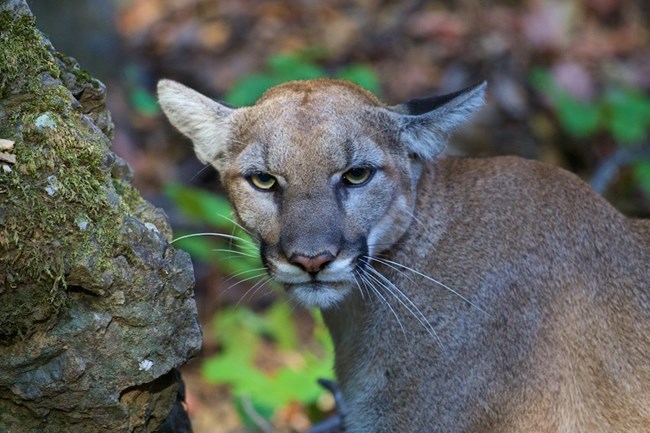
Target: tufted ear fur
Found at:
198, 117
425, 124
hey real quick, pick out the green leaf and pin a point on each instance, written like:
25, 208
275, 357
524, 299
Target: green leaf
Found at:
201, 205
580, 119
642, 174
362, 75
144, 102
281, 326
198, 247
240, 332
280, 68
288, 67
236, 326
628, 115
248, 89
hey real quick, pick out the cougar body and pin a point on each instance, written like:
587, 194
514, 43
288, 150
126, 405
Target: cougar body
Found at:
462, 295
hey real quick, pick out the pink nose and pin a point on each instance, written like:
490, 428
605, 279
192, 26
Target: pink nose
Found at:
314, 264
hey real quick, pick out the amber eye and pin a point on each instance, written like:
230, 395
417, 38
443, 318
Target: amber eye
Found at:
262, 181
357, 176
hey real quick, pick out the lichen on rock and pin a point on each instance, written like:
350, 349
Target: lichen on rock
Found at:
89, 285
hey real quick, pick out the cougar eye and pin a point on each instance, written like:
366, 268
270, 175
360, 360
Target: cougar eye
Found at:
357, 176
262, 181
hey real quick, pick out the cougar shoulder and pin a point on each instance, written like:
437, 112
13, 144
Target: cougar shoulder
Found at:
462, 295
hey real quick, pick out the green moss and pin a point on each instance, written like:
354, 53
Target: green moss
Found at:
23, 56
82, 76
61, 172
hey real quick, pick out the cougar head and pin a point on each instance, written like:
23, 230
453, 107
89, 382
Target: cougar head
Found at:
320, 172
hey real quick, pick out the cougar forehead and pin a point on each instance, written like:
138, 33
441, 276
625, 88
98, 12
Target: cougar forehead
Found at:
322, 89
299, 129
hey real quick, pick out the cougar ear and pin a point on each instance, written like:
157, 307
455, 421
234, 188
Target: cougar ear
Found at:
198, 117
425, 124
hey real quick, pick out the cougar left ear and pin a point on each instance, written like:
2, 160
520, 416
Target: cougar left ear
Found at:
204, 121
425, 124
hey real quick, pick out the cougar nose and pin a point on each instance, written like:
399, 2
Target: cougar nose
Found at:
312, 264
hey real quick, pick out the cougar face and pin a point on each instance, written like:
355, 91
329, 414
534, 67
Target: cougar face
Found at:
320, 172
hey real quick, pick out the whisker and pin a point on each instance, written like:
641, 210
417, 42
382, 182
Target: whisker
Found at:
234, 256
244, 280
221, 235
241, 253
256, 287
245, 271
412, 309
392, 264
356, 281
236, 224
205, 167
416, 219
368, 283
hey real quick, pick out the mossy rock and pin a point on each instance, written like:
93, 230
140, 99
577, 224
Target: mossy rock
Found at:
95, 306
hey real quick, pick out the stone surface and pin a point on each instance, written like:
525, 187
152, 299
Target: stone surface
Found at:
96, 308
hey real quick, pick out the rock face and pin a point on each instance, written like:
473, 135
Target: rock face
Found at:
96, 308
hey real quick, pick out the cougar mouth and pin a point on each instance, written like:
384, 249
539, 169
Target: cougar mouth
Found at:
323, 288
322, 294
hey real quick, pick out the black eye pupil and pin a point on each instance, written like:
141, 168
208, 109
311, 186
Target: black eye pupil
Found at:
357, 176
264, 177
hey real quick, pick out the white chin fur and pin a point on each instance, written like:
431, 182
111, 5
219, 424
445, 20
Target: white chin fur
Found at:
321, 296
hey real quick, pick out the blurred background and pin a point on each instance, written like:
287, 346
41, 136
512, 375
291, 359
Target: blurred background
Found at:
569, 84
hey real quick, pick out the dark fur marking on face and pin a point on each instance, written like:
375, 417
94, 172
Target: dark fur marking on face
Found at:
360, 261
263, 251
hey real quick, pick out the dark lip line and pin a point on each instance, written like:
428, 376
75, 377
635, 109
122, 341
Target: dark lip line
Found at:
289, 286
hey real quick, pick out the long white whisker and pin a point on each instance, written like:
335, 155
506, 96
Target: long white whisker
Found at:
356, 281
412, 309
416, 219
255, 287
244, 280
368, 283
245, 271
392, 265
241, 253
205, 167
236, 224
220, 235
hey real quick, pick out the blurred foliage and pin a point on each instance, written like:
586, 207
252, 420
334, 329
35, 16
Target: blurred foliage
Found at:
295, 66
142, 100
621, 112
241, 332
230, 247
624, 113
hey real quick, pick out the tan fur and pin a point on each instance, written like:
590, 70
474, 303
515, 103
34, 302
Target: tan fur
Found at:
534, 314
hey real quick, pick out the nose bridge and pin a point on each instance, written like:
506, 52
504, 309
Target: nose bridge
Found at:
311, 224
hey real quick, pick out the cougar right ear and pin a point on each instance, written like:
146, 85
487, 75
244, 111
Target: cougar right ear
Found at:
425, 124
198, 117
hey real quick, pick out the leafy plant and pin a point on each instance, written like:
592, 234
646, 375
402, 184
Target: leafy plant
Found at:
142, 100
621, 112
235, 253
295, 66
242, 335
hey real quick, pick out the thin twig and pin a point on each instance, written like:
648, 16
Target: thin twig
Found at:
609, 168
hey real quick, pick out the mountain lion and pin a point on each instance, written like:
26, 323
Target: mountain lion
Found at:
463, 295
